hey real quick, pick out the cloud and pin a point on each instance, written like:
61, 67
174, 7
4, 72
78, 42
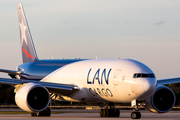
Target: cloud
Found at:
159, 23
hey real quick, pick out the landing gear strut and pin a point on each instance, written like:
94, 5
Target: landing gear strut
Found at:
136, 114
109, 111
46, 112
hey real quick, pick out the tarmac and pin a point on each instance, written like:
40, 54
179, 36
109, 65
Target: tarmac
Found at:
89, 115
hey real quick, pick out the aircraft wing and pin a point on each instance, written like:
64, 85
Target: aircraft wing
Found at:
63, 89
168, 81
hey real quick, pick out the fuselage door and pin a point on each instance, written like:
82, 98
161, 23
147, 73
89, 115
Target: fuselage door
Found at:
117, 77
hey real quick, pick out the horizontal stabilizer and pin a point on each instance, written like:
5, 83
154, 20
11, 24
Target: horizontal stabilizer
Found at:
10, 71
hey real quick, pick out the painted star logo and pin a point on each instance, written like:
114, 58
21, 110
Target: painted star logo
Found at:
23, 32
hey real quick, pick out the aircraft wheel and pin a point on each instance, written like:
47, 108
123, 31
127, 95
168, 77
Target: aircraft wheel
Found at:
46, 112
108, 112
135, 115
139, 115
111, 112
33, 114
116, 113
101, 112
104, 113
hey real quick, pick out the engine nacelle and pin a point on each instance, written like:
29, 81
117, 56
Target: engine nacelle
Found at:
162, 101
32, 97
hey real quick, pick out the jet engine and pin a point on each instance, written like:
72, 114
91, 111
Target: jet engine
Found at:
32, 97
162, 101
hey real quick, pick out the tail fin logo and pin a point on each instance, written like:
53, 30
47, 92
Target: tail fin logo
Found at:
23, 32
27, 46
27, 53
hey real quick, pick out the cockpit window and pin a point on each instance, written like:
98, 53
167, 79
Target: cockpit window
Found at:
143, 75
134, 76
138, 75
151, 75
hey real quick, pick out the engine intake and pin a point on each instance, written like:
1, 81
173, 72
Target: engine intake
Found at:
32, 97
162, 101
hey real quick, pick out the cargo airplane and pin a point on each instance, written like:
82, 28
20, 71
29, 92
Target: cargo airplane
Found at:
107, 81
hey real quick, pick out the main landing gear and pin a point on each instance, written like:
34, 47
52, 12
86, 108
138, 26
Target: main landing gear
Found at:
109, 111
46, 112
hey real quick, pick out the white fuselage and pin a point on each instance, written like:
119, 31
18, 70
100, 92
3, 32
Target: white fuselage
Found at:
106, 80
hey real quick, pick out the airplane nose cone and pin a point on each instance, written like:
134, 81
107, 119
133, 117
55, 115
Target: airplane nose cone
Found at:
144, 88
149, 86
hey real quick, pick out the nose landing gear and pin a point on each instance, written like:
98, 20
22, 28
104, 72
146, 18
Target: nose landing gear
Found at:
136, 114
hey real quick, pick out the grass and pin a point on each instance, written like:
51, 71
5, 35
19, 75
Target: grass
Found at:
14, 112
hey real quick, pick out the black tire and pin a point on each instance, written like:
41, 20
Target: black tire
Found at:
33, 114
111, 112
104, 113
139, 115
135, 115
101, 112
46, 112
107, 112
116, 113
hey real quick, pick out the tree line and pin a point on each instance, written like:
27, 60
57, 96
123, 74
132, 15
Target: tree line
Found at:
7, 95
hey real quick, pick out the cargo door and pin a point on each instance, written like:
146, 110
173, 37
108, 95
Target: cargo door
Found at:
117, 77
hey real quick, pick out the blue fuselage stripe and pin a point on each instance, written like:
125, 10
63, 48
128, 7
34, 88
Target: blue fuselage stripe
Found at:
36, 70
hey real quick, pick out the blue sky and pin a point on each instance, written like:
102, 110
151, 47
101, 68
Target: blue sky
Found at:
147, 31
